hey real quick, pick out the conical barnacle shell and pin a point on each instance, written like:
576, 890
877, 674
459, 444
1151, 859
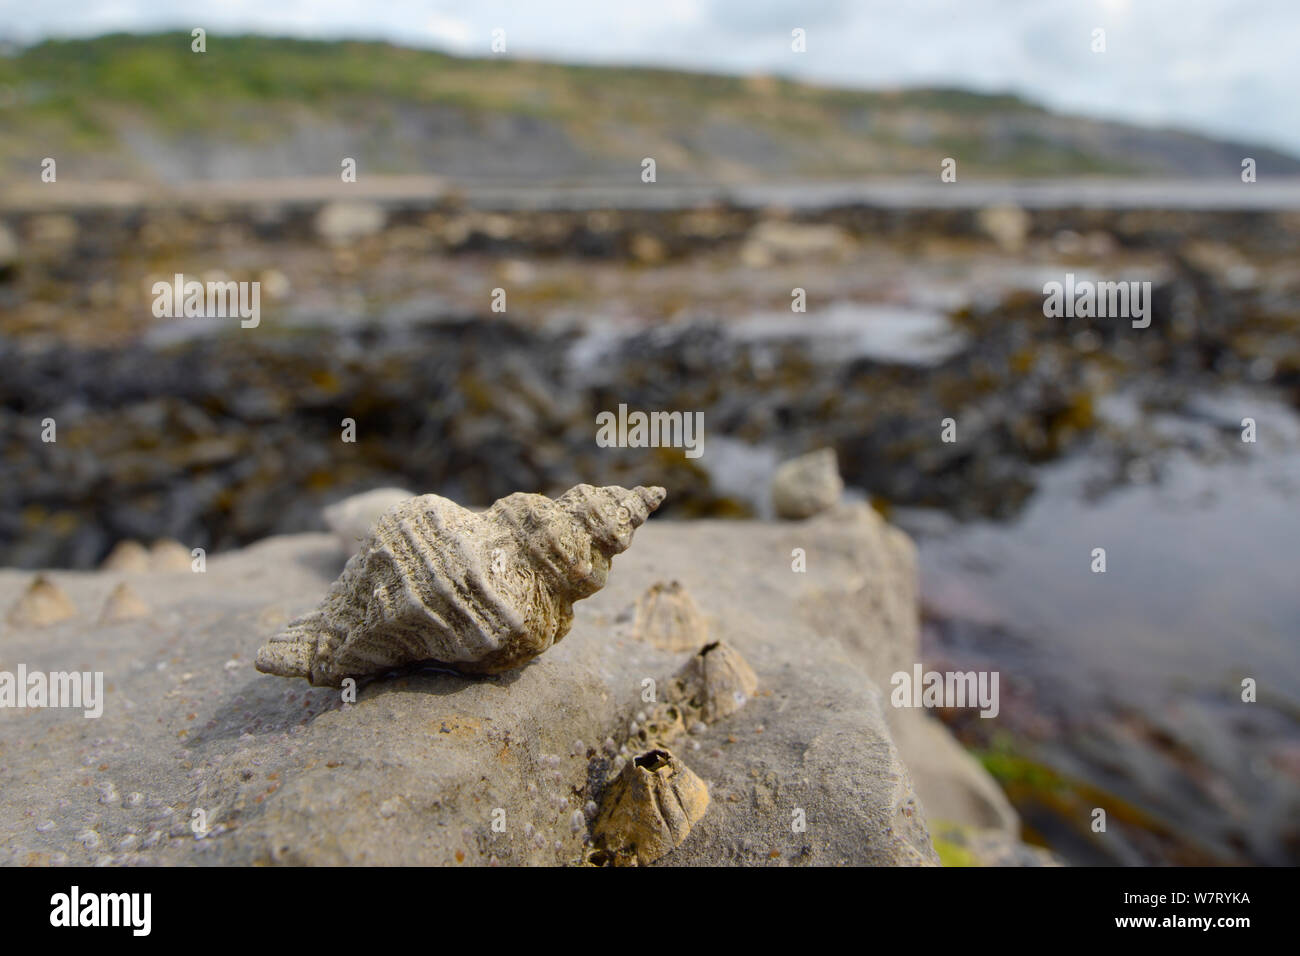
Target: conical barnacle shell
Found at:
126, 555
44, 602
649, 808
716, 682
667, 617
123, 605
168, 554
480, 592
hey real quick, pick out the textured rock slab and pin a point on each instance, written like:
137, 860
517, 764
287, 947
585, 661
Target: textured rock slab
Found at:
420, 768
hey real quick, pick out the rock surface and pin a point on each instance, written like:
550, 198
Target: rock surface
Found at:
198, 758
807, 485
955, 787
970, 846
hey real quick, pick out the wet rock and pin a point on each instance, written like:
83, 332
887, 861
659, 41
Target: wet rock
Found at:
340, 223
55, 231
1007, 224
775, 240
950, 782
807, 485
971, 846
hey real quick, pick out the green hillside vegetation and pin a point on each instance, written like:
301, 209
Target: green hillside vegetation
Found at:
424, 111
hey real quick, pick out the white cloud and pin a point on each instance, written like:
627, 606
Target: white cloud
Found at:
1218, 66
451, 33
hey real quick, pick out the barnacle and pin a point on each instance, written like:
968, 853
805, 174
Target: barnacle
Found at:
123, 604
44, 602
649, 808
667, 617
716, 682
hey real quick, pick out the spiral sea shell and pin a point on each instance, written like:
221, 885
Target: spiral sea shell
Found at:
481, 593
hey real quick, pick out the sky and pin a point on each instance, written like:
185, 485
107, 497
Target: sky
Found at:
1230, 68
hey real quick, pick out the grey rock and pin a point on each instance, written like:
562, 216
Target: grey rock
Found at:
775, 240
423, 764
807, 485
992, 847
340, 223
950, 782
1006, 224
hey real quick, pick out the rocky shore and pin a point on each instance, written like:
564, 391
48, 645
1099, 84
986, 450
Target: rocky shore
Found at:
381, 314
922, 306
197, 758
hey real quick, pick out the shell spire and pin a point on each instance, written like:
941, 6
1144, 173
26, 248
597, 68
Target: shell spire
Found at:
482, 593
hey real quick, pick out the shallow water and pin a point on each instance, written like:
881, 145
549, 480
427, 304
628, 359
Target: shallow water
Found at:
1200, 591
1201, 569
853, 330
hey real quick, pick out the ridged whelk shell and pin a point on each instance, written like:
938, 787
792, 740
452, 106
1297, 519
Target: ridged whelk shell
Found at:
481, 593
649, 808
